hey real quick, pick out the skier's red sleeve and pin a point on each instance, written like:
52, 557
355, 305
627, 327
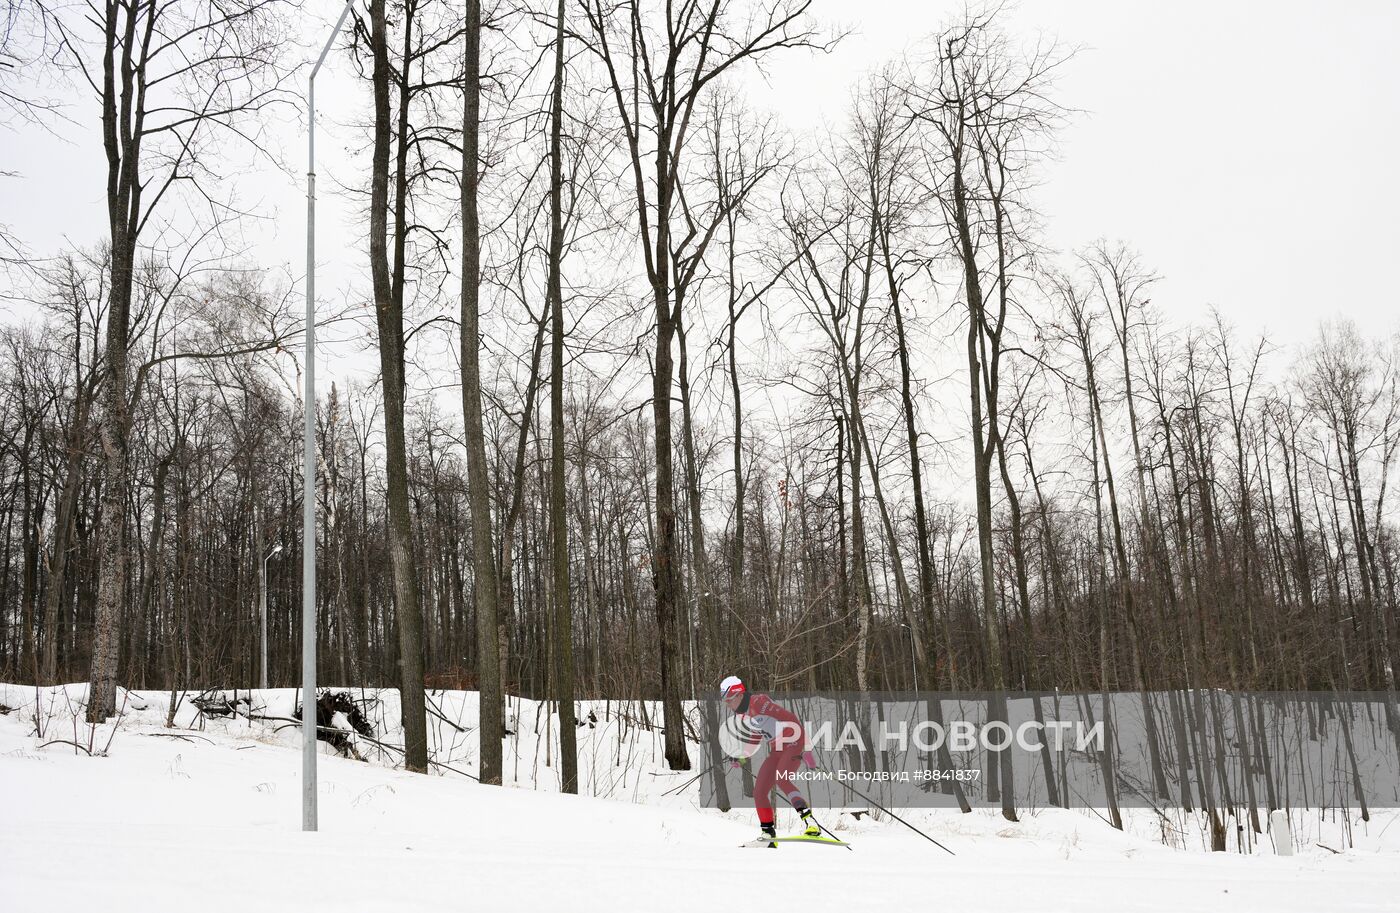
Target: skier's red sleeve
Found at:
790, 733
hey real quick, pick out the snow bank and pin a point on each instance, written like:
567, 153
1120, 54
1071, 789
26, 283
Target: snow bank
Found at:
208, 814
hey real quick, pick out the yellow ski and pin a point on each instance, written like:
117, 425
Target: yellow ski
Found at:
764, 842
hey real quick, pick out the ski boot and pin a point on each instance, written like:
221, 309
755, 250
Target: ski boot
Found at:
767, 832
813, 829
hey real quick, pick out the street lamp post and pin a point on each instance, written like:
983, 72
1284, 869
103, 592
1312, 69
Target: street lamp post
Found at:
262, 617
308, 469
913, 665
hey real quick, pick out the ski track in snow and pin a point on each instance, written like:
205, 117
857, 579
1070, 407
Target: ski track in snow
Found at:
166, 824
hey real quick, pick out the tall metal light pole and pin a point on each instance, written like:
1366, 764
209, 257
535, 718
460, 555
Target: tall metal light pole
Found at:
262, 617
308, 469
913, 666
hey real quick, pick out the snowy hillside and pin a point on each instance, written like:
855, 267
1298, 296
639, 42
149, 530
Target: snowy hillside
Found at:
206, 816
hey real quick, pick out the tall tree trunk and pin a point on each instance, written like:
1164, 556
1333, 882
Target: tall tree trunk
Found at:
702, 598
858, 560
123, 114
31, 522
984, 432
388, 299
558, 519
665, 569
488, 636
736, 561
61, 542
912, 439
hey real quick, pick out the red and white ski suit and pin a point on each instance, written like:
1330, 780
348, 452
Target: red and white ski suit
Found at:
786, 739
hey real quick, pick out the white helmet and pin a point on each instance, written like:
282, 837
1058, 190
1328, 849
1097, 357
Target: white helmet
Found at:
731, 685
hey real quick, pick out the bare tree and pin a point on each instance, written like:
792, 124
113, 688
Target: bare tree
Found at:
485, 584
173, 81
401, 82
657, 73
985, 108
563, 629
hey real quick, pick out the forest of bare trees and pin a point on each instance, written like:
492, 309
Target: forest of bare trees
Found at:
662, 390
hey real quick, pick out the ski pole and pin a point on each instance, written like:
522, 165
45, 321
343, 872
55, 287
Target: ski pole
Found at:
692, 780
714, 765
897, 818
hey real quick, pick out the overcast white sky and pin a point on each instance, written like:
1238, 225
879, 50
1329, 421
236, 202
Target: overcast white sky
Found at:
1246, 149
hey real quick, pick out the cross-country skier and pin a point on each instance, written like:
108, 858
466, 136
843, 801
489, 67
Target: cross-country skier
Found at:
787, 741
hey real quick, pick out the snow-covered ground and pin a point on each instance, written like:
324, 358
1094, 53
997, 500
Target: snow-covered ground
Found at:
208, 819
